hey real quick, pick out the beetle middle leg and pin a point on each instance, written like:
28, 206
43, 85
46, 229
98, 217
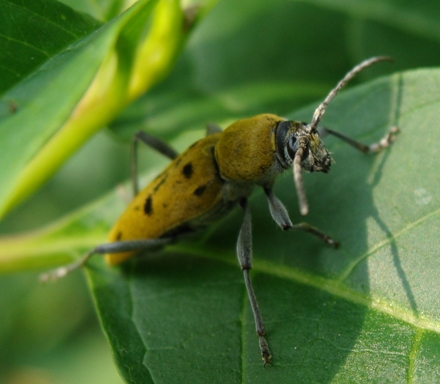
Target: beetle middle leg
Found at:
153, 142
383, 143
244, 254
281, 217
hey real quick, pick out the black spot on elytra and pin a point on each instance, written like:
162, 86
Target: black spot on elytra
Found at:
187, 170
199, 190
148, 207
119, 236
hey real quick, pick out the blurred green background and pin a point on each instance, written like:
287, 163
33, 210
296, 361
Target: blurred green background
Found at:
245, 57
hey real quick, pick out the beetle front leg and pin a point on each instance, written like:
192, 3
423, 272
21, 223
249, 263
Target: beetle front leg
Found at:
383, 143
281, 217
244, 254
115, 247
306, 227
278, 210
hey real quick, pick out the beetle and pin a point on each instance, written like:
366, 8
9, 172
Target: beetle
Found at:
219, 172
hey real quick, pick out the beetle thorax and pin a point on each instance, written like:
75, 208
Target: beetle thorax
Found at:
246, 151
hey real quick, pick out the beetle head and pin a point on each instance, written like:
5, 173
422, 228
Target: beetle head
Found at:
299, 145
293, 139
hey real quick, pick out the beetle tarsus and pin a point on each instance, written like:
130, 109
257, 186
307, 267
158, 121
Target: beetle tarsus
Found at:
306, 227
64, 270
378, 146
265, 352
386, 141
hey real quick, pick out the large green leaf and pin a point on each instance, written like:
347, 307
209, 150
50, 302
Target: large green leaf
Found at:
366, 312
79, 85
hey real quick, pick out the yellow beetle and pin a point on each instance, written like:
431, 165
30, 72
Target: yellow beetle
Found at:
218, 173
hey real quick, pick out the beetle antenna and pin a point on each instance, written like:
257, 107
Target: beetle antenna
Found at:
319, 112
297, 178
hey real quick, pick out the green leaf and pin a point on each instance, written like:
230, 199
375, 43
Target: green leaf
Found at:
31, 32
420, 18
103, 71
101, 9
267, 68
330, 315
368, 311
283, 68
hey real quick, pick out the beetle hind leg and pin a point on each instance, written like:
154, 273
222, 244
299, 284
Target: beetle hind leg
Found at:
108, 248
64, 270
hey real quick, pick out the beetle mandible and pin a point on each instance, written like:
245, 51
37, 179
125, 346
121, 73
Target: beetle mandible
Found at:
218, 173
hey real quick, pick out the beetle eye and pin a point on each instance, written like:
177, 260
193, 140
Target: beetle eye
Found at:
291, 147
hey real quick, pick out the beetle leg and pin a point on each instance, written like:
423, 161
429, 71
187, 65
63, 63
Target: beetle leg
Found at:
212, 128
278, 210
281, 217
244, 254
306, 227
152, 142
385, 142
115, 247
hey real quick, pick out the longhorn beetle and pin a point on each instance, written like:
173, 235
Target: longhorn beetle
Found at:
219, 172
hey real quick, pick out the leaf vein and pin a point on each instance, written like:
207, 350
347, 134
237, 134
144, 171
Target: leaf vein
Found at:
389, 239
